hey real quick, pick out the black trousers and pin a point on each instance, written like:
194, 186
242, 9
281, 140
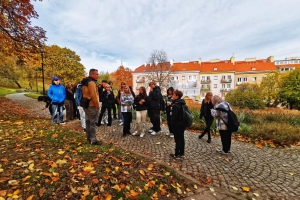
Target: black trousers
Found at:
226, 140
114, 111
155, 119
208, 122
179, 140
127, 120
169, 119
103, 108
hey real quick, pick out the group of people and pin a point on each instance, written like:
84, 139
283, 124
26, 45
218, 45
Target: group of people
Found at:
102, 102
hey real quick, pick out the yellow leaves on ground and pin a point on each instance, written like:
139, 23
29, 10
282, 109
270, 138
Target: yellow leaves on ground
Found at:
42, 191
142, 172
259, 145
133, 195
150, 167
117, 187
31, 166
234, 188
88, 169
60, 152
227, 159
245, 189
291, 173
30, 197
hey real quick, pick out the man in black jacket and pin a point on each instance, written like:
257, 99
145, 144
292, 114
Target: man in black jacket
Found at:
177, 124
154, 107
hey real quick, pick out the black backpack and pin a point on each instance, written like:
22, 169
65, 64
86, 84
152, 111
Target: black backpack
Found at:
233, 122
187, 117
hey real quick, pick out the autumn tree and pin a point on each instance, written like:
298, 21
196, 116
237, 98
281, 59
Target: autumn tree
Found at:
17, 36
290, 91
104, 76
159, 69
9, 70
246, 95
270, 88
122, 74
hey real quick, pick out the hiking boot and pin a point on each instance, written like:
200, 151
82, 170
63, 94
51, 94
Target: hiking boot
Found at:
209, 140
174, 156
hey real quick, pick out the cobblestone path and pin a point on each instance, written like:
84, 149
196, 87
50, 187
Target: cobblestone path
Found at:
269, 173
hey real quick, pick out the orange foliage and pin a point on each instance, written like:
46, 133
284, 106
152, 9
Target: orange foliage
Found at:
122, 74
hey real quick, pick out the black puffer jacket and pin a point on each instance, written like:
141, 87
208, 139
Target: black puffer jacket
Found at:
107, 100
177, 113
154, 99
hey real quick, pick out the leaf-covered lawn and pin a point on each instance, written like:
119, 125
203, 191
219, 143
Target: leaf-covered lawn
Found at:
40, 160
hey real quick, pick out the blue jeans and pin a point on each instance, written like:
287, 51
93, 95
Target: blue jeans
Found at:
91, 118
55, 110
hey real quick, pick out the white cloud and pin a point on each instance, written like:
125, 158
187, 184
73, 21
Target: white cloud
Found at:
104, 32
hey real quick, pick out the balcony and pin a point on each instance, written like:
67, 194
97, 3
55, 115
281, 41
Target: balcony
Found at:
205, 89
226, 80
205, 81
225, 89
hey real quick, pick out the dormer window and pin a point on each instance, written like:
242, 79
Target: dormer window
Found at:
215, 69
253, 68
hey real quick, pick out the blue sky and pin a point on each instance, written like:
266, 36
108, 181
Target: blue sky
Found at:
104, 32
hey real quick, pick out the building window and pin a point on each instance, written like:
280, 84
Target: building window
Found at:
223, 85
223, 77
208, 78
190, 77
215, 77
215, 85
239, 80
172, 78
228, 85
254, 79
183, 78
215, 69
245, 79
229, 77
194, 77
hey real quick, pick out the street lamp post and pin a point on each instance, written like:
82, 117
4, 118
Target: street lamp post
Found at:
36, 82
42, 54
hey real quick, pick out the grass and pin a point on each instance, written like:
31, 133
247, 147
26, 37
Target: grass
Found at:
280, 126
5, 91
33, 95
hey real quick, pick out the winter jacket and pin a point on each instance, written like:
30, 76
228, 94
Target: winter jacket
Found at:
57, 93
126, 102
107, 100
100, 91
219, 115
90, 91
155, 99
78, 94
177, 113
205, 109
140, 107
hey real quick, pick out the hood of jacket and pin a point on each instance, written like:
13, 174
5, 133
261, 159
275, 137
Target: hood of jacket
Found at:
180, 101
86, 81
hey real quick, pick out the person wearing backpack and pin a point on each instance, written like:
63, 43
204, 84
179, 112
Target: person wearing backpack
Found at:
206, 106
177, 123
221, 121
168, 101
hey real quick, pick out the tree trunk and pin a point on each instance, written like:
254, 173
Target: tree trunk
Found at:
16, 82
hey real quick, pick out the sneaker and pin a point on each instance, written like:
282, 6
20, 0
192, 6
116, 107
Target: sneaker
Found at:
168, 133
150, 131
120, 120
171, 135
96, 143
84, 130
106, 122
221, 151
135, 133
121, 123
62, 123
154, 133
174, 156
142, 134
102, 123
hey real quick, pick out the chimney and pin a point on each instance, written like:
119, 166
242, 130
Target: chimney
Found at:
199, 61
271, 58
232, 60
171, 62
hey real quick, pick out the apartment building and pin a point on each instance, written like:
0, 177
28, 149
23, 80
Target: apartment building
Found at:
288, 64
196, 78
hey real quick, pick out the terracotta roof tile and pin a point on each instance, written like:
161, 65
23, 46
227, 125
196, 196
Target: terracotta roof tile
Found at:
258, 65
